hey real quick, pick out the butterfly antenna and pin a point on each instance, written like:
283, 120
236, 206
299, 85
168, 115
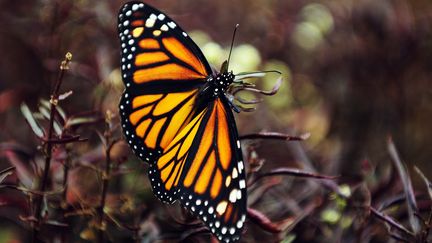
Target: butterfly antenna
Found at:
232, 43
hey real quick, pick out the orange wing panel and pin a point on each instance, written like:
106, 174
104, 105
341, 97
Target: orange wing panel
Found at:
170, 71
181, 52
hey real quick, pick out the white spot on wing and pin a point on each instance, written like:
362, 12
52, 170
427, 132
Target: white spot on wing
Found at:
164, 27
221, 207
239, 195
150, 22
239, 224
233, 196
240, 166
242, 184
234, 173
172, 25
161, 17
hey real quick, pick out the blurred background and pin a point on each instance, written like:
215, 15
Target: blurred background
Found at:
355, 74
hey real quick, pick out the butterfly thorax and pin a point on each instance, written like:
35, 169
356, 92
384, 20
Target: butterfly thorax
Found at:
215, 87
217, 84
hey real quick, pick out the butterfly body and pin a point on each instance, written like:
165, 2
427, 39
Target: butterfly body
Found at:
214, 88
176, 116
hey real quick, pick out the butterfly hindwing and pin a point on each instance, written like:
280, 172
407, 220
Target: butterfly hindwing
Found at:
204, 167
166, 174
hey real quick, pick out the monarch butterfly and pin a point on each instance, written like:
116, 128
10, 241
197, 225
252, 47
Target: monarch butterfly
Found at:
176, 116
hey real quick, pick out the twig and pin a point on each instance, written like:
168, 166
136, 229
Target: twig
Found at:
49, 146
390, 221
425, 233
105, 181
65, 140
293, 172
274, 135
260, 219
6, 172
407, 186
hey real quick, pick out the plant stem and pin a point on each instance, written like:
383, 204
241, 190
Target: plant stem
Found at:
428, 226
48, 150
105, 183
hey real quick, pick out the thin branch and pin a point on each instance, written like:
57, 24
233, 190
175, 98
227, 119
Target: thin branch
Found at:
292, 172
407, 186
275, 135
261, 220
105, 182
48, 150
65, 140
390, 221
6, 172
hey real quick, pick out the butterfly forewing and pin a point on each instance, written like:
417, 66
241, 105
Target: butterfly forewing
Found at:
162, 69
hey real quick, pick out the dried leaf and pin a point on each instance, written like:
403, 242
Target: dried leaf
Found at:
426, 181
45, 103
119, 151
56, 223
23, 169
84, 186
57, 128
5, 173
44, 111
263, 221
78, 121
61, 113
65, 95
407, 185
36, 128
88, 234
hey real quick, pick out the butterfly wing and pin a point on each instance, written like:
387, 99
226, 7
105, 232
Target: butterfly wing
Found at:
162, 69
203, 166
